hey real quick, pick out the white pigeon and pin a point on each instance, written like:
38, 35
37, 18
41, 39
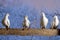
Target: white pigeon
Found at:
44, 20
6, 21
55, 22
26, 22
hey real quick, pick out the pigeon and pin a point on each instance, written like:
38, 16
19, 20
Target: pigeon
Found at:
6, 21
55, 22
26, 23
44, 20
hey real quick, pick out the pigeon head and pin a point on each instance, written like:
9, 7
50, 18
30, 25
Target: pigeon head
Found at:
7, 14
43, 14
26, 17
55, 17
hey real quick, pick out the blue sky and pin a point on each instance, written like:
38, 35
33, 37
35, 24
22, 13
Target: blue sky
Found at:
50, 4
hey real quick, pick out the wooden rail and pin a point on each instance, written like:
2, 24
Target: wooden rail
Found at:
26, 32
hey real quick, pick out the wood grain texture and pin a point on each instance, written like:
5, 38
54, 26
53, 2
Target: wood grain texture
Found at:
29, 32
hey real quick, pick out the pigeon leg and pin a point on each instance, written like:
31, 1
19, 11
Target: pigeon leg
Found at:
28, 28
24, 27
6, 27
43, 27
55, 27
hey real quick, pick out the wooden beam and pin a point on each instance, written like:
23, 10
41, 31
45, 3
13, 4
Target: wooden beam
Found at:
26, 32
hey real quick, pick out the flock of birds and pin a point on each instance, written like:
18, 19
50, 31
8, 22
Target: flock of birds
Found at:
26, 22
